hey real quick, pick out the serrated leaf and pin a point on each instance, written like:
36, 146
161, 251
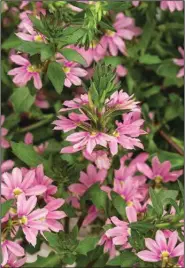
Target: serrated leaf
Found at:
56, 76
5, 207
73, 55
22, 100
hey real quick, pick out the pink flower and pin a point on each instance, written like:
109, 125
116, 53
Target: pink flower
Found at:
87, 180
40, 149
180, 62
16, 183
135, 3
72, 72
31, 221
121, 232
42, 179
41, 101
4, 143
6, 165
180, 262
172, 5
120, 100
53, 215
160, 172
99, 157
25, 73
67, 124
14, 262
92, 214
94, 53
124, 30
9, 247
127, 132
160, 249
108, 245
76, 103
32, 35
85, 140
121, 71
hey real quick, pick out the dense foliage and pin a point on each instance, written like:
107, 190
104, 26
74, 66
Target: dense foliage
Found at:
92, 133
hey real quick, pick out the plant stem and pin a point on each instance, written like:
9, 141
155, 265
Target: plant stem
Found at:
37, 125
171, 142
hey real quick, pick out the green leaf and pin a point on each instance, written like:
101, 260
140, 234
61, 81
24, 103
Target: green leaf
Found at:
119, 203
27, 154
141, 226
47, 52
11, 42
53, 260
172, 203
5, 207
31, 48
11, 121
56, 76
52, 239
156, 202
166, 194
181, 187
114, 61
38, 25
152, 91
97, 196
149, 59
22, 100
86, 245
176, 160
73, 55
167, 69
125, 259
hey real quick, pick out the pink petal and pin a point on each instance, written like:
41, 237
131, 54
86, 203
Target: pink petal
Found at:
36, 190
178, 251
19, 60
148, 256
161, 240
172, 241
131, 214
152, 245
37, 81
15, 248
145, 169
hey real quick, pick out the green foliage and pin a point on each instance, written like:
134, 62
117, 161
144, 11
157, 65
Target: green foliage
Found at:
72, 55
119, 204
5, 206
56, 76
86, 245
52, 260
22, 100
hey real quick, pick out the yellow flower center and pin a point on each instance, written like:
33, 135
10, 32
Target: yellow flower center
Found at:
115, 133
129, 203
66, 70
93, 133
33, 69
17, 191
93, 44
38, 38
129, 231
42, 219
23, 220
158, 179
109, 33
165, 256
13, 211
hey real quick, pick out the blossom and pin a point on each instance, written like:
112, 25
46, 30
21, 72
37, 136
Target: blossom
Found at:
6, 165
31, 220
180, 62
172, 5
108, 245
40, 149
92, 214
72, 71
160, 249
76, 103
67, 124
87, 180
9, 247
135, 3
127, 132
120, 100
99, 157
94, 53
14, 262
125, 29
41, 101
4, 143
16, 183
42, 179
53, 215
31, 36
121, 71
26, 72
160, 172
85, 140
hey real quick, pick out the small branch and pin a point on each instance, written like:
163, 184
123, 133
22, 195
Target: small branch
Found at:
171, 142
36, 125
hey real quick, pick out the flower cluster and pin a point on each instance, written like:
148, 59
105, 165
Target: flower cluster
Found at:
34, 209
